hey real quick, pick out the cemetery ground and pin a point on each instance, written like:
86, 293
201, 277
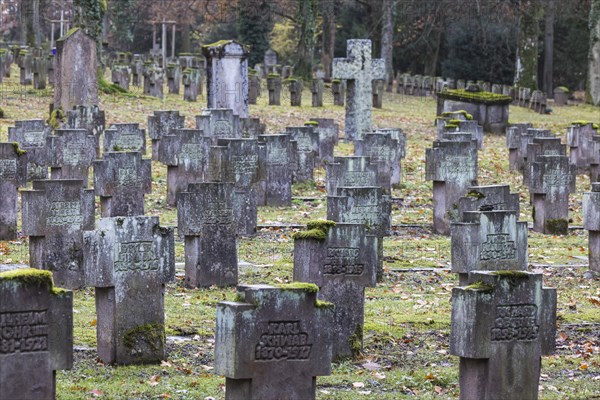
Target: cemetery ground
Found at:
407, 316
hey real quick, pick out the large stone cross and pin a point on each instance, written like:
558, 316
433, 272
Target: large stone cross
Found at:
359, 70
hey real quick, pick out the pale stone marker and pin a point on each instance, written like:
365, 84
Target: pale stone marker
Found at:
353, 172
591, 222
383, 150
173, 77
277, 157
90, 118
580, 138
125, 137
192, 83
307, 150
514, 133
273, 342
274, 88
160, 124
218, 123
72, 152
316, 88
128, 260
13, 174
121, 75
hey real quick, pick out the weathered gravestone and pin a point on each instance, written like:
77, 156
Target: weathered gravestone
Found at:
25, 62
277, 183
561, 95
316, 88
338, 89
551, 179
353, 172
76, 75
137, 69
72, 152
153, 80
270, 58
502, 323
128, 260
55, 214
227, 76
591, 222
385, 151
205, 218
342, 260
458, 121
452, 166
125, 137
192, 83
514, 132
40, 71
273, 342
185, 152
307, 150
236, 160
31, 137
542, 146
274, 88
538, 102
328, 138
121, 179
251, 127
253, 86
36, 334
218, 123
295, 86
173, 77
580, 136
377, 88
13, 173
160, 124
89, 118
359, 70
121, 75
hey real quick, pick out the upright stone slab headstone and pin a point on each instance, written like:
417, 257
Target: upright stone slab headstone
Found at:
502, 323
121, 75
278, 172
72, 152
128, 260
173, 77
137, 70
488, 198
551, 180
307, 148
542, 146
121, 179
40, 72
31, 136
192, 83
125, 137
91, 118
205, 218
287, 71
253, 86
316, 88
218, 123
55, 214
514, 133
327, 138
227, 76
251, 127
154, 77
591, 222
273, 342
76, 75
386, 152
352, 172
377, 88
160, 124
25, 63
13, 173
338, 89
274, 88
236, 160
452, 166
329, 131
359, 70
538, 102
185, 152
342, 260
581, 150
295, 86
270, 58
36, 334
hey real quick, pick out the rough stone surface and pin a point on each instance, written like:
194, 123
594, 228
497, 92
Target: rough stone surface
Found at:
31, 136
160, 124
306, 149
125, 137
276, 188
248, 351
218, 123
72, 152
352, 172
128, 260
274, 88
13, 174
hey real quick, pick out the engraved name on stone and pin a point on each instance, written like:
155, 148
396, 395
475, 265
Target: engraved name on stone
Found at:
64, 213
244, 164
358, 178
380, 154
222, 127
191, 151
128, 177
498, 247
136, 256
304, 143
217, 212
457, 166
342, 261
364, 214
277, 156
283, 340
557, 179
129, 142
73, 153
23, 331
8, 169
515, 322
33, 140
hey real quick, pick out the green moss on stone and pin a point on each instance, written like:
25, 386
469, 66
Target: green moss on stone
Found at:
583, 123
313, 123
481, 287
336, 81
151, 334
18, 150
70, 32
476, 195
307, 287
184, 54
322, 224
511, 275
563, 89
481, 97
32, 277
218, 43
356, 340
56, 117
323, 304
465, 114
559, 226
315, 230
273, 76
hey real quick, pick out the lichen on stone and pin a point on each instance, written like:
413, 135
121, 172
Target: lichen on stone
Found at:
152, 334
32, 276
307, 287
480, 286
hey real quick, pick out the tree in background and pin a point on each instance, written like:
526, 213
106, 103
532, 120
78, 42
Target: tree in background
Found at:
548, 73
124, 17
254, 24
306, 17
29, 11
387, 35
526, 63
593, 87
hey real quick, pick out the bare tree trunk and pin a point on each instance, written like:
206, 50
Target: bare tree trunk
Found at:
186, 46
328, 10
30, 22
387, 35
547, 79
593, 89
526, 68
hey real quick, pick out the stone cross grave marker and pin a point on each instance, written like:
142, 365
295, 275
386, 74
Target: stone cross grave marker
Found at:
342, 261
186, 153
251, 127
502, 323
121, 75
326, 142
338, 90
125, 137
377, 89
205, 218
551, 180
72, 152
274, 88
137, 69
173, 77
236, 160
273, 342
383, 150
277, 183
128, 260
352, 172
218, 123
253, 86
359, 70
488, 198
295, 86
527, 138
307, 150
25, 63
399, 136
192, 83
36, 333
89, 118
579, 139
55, 214
40, 71
13, 174
317, 87
543, 146
121, 179
31, 137
270, 58
591, 222
76, 75
452, 166
227, 76
154, 77
160, 125
514, 132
